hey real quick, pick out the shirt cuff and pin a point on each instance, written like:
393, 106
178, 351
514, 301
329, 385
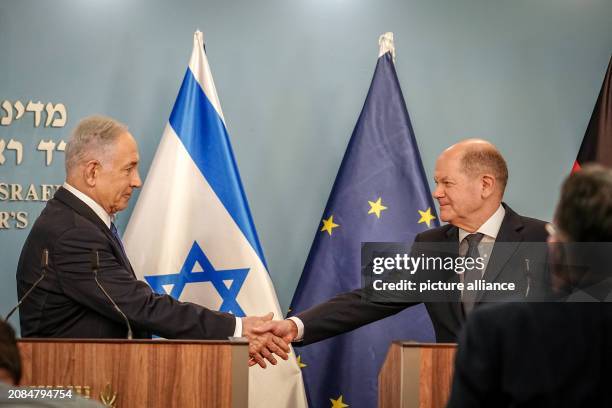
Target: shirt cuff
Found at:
300, 327
238, 329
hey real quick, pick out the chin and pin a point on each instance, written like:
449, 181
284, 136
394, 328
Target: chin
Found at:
445, 217
121, 207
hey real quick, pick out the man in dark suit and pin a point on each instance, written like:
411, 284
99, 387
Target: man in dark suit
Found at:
471, 177
556, 354
76, 229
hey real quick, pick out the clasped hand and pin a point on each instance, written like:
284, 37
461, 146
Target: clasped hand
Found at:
266, 338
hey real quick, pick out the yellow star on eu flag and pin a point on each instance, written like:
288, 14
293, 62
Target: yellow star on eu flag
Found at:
328, 225
426, 217
338, 403
300, 364
376, 207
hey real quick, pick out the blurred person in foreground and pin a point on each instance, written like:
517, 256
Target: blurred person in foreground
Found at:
10, 361
555, 354
10, 377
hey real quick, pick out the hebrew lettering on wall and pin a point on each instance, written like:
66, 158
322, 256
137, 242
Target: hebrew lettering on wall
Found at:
49, 146
59, 121
55, 114
18, 148
47, 115
13, 145
15, 150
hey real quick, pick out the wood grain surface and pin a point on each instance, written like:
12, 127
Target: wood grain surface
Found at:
416, 375
142, 373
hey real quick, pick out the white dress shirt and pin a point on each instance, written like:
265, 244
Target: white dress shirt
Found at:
107, 219
97, 208
489, 229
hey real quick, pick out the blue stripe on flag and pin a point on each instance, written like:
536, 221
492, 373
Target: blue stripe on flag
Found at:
203, 133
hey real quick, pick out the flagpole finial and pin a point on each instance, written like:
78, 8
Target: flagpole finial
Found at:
385, 42
198, 37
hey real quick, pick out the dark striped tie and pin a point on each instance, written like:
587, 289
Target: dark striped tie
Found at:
471, 275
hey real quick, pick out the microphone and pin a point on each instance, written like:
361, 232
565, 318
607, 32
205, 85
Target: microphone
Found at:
527, 276
95, 267
44, 264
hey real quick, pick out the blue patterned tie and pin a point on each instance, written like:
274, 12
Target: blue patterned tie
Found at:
115, 233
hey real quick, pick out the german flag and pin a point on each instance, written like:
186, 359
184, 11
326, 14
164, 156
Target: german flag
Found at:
597, 143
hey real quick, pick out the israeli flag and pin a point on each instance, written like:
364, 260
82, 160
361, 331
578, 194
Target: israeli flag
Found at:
191, 234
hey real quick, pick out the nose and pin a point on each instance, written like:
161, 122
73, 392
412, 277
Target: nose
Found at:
136, 181
438, 192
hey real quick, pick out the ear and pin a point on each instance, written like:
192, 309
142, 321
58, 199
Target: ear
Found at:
90, 172
487, 185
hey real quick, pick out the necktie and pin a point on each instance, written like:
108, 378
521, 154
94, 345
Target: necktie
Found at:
471, 275
115, 233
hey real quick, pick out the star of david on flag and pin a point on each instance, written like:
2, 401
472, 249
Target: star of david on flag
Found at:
191, 234
227, 282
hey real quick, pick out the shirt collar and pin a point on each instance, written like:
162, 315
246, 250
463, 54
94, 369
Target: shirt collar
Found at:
491, 226
97, 208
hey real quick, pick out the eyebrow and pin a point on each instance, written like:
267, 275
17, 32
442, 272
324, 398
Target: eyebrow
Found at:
445, 178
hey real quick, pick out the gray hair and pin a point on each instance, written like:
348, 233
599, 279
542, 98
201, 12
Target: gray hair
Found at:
481, 159
92, 139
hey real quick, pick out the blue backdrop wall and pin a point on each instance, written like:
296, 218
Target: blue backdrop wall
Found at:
292, 77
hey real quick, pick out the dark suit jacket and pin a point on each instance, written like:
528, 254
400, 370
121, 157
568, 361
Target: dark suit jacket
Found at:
68, 303
535, 355
351, 310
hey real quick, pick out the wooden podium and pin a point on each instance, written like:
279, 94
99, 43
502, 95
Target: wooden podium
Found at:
141, 373
416, 375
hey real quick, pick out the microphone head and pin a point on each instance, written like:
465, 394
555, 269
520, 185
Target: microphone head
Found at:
95, 259
44, 261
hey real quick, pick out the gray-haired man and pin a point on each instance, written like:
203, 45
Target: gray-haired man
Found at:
101, 175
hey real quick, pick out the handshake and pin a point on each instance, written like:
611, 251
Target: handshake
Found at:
267, 337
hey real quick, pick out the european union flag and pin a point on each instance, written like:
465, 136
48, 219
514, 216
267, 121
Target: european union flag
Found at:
380, 194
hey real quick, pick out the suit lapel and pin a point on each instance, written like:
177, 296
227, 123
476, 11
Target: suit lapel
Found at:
84, 210
120, 252
507, 242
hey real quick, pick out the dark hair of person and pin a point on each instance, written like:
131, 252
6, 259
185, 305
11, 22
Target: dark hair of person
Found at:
9, 353
584, 212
